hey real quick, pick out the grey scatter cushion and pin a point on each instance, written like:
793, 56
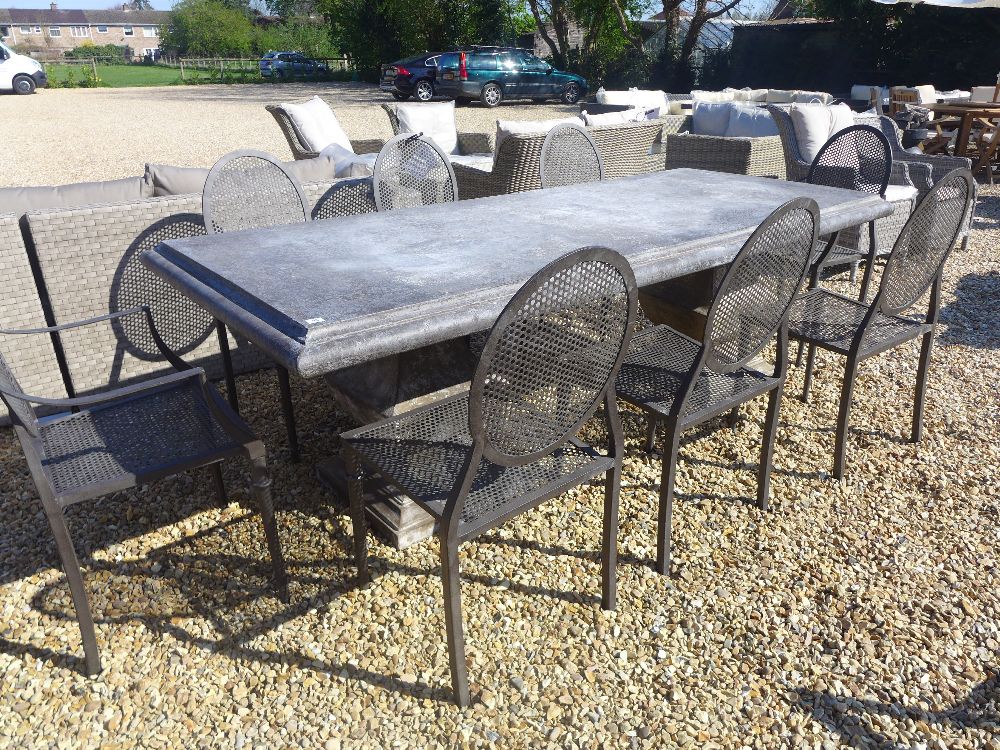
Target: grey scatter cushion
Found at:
710, 118
21, 200
165, 179
168, 180
749, 121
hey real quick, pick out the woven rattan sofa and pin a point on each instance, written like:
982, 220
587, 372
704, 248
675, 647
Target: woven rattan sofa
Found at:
626, 149
759, 157
86, 263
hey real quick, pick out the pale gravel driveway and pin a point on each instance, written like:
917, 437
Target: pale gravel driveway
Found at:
73, 135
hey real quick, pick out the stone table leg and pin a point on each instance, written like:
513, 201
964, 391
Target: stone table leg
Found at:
384, 388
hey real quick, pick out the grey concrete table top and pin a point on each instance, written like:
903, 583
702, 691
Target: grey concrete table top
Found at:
328, 294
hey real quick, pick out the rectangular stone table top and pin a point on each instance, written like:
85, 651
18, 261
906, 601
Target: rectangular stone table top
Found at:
324, 295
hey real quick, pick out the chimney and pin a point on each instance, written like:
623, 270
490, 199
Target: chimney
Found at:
53, 6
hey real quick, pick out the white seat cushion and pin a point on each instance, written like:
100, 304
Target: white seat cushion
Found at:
635, 114
896, 193
983, 93
713, 96
646, 99
815, 123
436, 120
317, 125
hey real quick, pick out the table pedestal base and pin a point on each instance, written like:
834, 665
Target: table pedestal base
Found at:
385, 388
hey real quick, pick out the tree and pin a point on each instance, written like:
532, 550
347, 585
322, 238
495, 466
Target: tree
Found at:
208, 28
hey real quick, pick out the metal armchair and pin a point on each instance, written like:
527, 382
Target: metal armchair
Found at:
411, 171
569, 156
682, 382
126, 437
478, 459
857, 331
252, 190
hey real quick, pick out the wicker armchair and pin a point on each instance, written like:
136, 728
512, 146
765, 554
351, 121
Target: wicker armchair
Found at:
297, 143
758, 157
124, 438
625, 149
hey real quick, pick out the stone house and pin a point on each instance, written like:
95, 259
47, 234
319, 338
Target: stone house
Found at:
47, 33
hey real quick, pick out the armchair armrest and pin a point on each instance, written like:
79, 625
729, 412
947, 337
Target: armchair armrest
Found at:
476, 143
112, 395
926, 169
367, 145
172, 358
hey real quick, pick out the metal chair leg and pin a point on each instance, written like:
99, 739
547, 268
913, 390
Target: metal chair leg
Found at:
810, 363
854, 272
798, 355
220, 485
843, 418
609, 548
261, 483
227, 364
453, 623
734, 416
866, 280
651, 426
359, 524
926, 347
671, 447
71, 567
289, 411
767, 447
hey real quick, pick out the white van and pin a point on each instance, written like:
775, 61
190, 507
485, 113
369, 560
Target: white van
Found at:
19, 73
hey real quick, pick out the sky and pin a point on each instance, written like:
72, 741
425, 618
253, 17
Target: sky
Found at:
80, 4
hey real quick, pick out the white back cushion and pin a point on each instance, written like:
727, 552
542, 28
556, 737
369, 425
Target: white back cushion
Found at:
712, 96
317, 125
805, 97
983, 93
710, 118
634, 98
436, 120
815, 123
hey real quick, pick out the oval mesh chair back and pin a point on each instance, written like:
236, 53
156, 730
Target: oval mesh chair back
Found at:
856, 158
757, 290
181, 322
412, 171
251, 190
346, 198
925, 242
21, 412
552, 355
569, 156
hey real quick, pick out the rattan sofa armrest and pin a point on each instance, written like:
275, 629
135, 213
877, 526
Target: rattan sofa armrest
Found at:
476, 143
473, 182
367, 145
714, 153
107, 396
169, 355
900, 173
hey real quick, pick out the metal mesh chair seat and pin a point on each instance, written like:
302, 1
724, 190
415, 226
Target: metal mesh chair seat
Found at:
124, 442
660, 361
831, 321
423, 452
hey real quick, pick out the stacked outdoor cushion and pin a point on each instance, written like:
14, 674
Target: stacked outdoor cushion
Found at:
762, 96
643, 99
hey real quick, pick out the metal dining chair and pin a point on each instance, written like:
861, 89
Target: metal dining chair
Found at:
569, 156
129, 436
857, 330
860, 158
253, 190
480, 458
681, 382
411, 170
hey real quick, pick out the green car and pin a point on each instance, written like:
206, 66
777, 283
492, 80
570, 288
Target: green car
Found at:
492, 74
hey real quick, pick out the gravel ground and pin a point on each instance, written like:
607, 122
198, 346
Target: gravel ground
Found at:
76, 135
862, 613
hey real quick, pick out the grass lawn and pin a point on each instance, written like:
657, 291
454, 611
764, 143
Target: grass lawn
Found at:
120, 76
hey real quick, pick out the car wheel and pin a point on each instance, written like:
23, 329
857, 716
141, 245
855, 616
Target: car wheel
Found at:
400, 97
423, 91
571, 94
24, 85
491, 95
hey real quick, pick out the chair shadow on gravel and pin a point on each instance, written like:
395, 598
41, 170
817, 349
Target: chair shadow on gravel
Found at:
971, 319
979, 711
